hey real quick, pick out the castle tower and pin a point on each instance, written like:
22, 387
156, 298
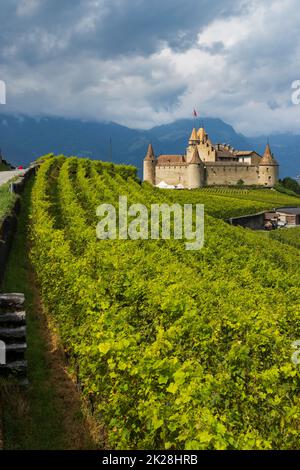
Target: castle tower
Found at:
149, 166
206, 150
195, 172
268, 169
194, 138
202, 136
193, 141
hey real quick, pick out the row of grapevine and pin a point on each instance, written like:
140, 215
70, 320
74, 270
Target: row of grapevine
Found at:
173, 349
271, 198
290, 236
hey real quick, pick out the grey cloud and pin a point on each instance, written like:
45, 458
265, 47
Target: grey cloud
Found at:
105, 28
111, 60
167, 98
216, 48
273, 104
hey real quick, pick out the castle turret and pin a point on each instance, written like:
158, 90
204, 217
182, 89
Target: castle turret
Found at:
195, 172
149, 166
202, 136
268, 169
194, 138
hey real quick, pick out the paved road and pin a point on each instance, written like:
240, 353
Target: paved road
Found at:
5, 176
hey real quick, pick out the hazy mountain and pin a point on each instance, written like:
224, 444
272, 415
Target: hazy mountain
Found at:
173, 137
24, 138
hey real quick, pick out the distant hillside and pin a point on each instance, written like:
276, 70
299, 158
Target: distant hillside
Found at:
173, 137
4, 167
24, 138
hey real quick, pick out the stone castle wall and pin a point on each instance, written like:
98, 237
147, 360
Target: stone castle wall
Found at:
232, 174
269, 174
217, 175
172, 174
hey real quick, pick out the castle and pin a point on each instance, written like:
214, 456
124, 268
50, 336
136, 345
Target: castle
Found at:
206, 164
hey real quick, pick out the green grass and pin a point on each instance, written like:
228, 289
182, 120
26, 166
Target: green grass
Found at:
7, 200
32, 417
4, 167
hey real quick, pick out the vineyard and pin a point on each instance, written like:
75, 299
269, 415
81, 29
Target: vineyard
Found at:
288, 236
272, 196
173, 349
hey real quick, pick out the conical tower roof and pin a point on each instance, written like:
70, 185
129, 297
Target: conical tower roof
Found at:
195, 156
268, 158
150, 153
201, 134
194, 136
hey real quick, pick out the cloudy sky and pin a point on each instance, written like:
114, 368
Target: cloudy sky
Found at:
148, 62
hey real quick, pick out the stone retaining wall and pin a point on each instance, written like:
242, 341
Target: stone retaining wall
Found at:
7, 230
8, 226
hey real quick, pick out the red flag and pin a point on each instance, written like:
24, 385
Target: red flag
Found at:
195, 113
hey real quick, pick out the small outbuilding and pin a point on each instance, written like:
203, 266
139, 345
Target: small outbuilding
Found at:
289, 215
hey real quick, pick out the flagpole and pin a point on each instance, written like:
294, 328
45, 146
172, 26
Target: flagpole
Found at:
195, 115
110, 150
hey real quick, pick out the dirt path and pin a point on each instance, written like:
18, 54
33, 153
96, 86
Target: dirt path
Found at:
81, 431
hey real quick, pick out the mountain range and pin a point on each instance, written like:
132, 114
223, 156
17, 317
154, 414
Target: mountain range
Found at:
24, 138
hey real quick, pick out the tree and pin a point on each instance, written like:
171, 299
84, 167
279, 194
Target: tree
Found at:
291, 184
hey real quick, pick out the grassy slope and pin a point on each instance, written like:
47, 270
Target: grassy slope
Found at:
48, 414
7, 200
